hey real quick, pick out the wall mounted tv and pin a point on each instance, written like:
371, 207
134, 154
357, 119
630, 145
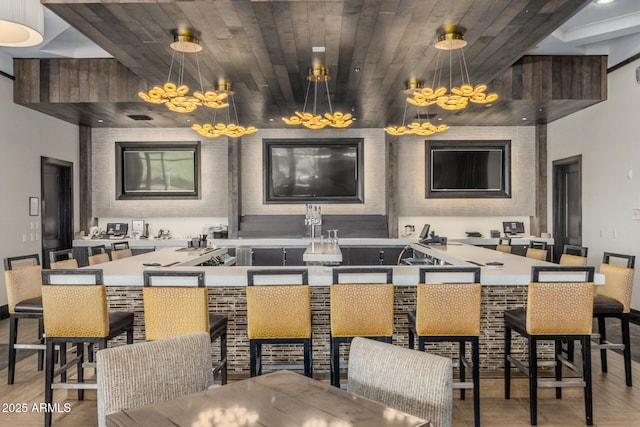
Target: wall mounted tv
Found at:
313, 170
468, 169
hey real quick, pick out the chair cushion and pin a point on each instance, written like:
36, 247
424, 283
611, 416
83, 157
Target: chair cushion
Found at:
517, 318
603, 304
29, 306
119, 320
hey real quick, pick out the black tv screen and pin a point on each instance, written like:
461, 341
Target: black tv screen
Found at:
468, 169
313, 170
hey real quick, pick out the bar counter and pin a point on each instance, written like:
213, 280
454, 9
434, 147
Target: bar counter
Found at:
503, 289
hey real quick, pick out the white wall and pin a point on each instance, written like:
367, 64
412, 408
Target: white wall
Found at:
608, 137
26, 135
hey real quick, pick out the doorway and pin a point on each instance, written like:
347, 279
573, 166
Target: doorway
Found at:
57, 206
567, 203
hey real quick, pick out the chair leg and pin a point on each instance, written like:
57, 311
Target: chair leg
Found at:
63, 361
411, 339
586, 373
624, 320
533, 381
13, 338
253, 358
308, 358
602, 330
223, 358
130, 335
507, 363
41, 341
475, 359
335, 363
571, 349
48, 380
558, 367
461, 356
90, 353
80, 369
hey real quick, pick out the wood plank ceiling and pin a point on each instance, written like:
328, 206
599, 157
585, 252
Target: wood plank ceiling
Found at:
372, 47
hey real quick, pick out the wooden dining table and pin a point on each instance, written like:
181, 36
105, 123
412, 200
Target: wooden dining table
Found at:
277, 399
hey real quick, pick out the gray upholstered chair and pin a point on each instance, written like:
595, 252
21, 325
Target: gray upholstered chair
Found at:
417, 383
140, 374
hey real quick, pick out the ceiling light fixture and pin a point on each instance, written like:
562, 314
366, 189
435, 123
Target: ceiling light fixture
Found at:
312, 120
230, 129
454, 97
420, 128
175, 96
21, 23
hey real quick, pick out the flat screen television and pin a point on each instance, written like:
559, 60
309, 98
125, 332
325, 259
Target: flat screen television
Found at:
313, 170
513, 227
468, 169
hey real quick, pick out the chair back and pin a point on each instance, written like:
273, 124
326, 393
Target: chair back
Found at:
74, 303
99, 258
280, 310
575, 250
121, 253
539, 254
175, 303
573, 260
97, 249
415, 382
504, 248
62, 259
361, 308
618, 282
537, 244
118, 246
448, 308
560, 307
140, 374
23, 278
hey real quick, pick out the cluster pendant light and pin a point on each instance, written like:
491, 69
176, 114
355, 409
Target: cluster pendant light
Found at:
227, 128
420, 128
312, 120
457, 97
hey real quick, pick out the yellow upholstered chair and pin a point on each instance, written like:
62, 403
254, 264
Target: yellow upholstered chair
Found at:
504, 245
97, 254
173, 306
120, 254
75, 311
574, 255
539, 254
359, 308
278, 314
23, 278
449, 311
62, 259
614, 300
556, 311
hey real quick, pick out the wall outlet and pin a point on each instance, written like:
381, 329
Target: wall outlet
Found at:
615, 234
601, 234
24, 238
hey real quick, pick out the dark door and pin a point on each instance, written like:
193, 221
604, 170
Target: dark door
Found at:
567, 203
57, 206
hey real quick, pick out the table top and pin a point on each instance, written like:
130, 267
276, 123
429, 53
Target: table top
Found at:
278, 399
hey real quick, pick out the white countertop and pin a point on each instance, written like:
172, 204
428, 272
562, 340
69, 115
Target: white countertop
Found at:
322, 253
128, 271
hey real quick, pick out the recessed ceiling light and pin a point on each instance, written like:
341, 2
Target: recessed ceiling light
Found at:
100, 121
524, 119
357, 69
488, 105
604, 1
317, 49
271, 119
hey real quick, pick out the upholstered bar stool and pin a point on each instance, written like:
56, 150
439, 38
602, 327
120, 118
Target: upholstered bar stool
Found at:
120, 250
537, 250
97, 254
449, 311
359, 308
23, 278
614, 300
279, 314
556, 311
75, 311
574, 255
504, 245
173, 306
62, 259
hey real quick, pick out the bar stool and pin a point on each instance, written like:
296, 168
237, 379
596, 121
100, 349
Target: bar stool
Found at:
504, 245
23, 278
120, 250
537, 250
359, 309
614, 300
279, 314
574, 255
62, 259
83, 294
450, 312
557, 311
97, 254
173, 306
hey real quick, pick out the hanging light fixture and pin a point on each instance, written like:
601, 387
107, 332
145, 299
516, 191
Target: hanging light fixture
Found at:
312, 120
230, 129
21, 23
454, 97
175, 96
415, 128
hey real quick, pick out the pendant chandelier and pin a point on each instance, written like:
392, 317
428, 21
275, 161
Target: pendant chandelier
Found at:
420, 128
175, 96
454, 97
312, 120
227, 128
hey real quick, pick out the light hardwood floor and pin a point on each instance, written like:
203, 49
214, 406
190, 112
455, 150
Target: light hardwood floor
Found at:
615, 405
